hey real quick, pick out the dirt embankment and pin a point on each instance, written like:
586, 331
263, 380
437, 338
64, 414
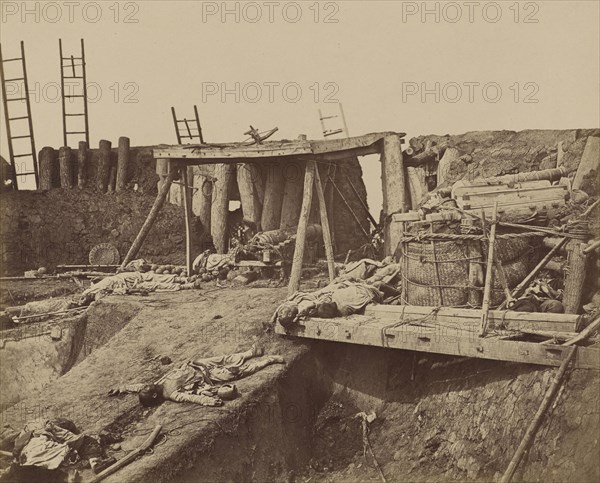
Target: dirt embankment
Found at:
442, 418
200, 440
61, 226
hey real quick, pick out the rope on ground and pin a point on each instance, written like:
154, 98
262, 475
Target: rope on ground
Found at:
367, 449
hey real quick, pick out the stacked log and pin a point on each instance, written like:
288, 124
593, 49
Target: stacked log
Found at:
48, 168
291, 205
220, 206
202, 199
82, 154
66, 167
103, 169
122, 162
249, 196
274, 186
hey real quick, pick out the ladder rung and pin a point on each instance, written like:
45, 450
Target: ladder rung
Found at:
74, 95
331, 133
76, 132
26, 174
13, 59
75, 114
328, 117
74, 58
17, 99
20, 137
72, 77
17, 118
15, 79
22, 155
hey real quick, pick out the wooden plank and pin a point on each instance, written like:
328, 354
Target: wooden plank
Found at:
512, 320
257, 263
222, 153
438, 339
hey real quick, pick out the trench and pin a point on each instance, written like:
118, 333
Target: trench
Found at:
438, 418
32, 356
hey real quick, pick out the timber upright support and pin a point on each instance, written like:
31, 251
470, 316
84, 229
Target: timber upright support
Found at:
309, 180
394, 188
158, 204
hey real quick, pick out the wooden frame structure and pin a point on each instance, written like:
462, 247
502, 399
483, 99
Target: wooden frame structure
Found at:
460, 338
179, 157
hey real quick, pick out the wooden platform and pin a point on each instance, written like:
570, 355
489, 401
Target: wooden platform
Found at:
452, 339
324, 150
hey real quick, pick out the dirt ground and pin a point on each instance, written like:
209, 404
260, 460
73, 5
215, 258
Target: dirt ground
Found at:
179, 325
20, 292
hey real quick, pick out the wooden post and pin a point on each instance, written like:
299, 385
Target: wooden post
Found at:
220, 206
143, 233
66, 171
82, 154
122, 162
274, 185
187, 206
293, 174
575, 276
324, 224
162, 170
103, 171
202, 199
489, 273
296, 273
394, 189
112, 178
537, 419
251, 205
47, 164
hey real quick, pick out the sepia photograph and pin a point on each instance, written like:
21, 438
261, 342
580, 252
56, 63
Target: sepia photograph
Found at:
300, 241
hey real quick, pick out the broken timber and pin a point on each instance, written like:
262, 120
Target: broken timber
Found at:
458, 339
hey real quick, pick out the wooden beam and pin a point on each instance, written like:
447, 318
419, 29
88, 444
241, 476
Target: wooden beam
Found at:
270, 150
187, 206
324, 224
575, 276
439, 339
296, 273
394, 188
143, 233
500, 320
489, 272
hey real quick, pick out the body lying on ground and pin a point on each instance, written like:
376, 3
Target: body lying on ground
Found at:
125, 282
198, 380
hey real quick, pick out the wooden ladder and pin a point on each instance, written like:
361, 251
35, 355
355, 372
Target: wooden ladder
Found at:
27, 166
184, 129
327, 131
73, 69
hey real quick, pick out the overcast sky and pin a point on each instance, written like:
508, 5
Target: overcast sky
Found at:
414, 67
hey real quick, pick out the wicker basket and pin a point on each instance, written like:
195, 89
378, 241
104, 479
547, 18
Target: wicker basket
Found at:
104, 254
436, 273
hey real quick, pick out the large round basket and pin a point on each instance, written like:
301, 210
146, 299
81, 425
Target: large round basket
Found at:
104, 254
